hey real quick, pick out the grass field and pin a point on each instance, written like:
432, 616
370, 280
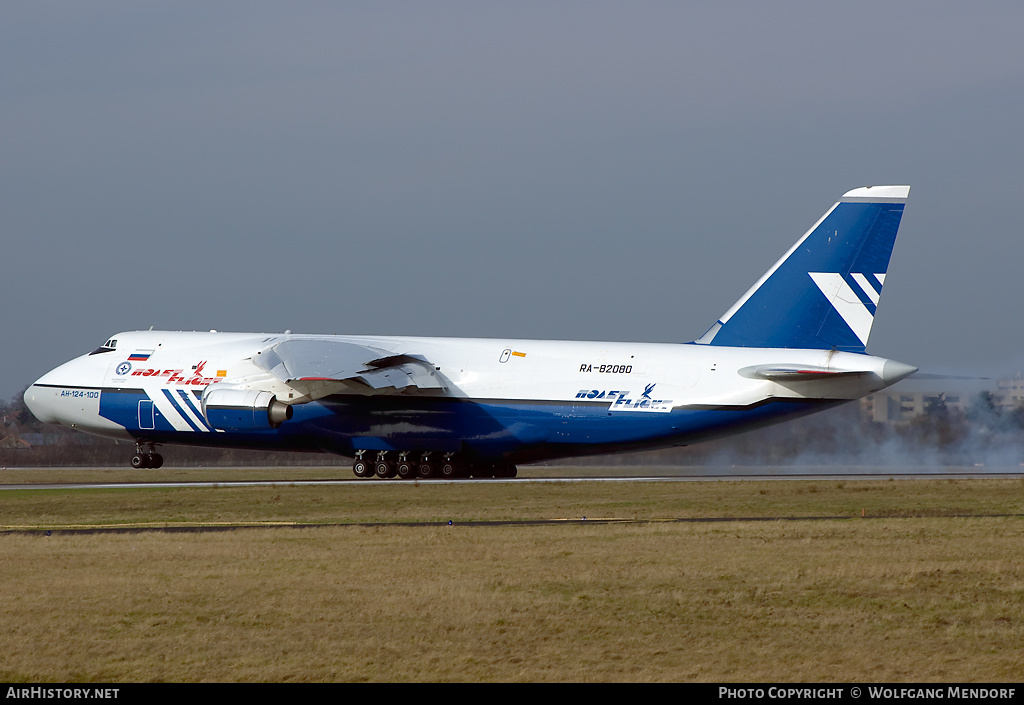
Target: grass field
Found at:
863, 581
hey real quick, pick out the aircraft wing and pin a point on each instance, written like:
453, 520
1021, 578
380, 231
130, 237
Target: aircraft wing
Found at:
300, 362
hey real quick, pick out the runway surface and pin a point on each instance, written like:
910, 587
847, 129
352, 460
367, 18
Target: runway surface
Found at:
958, 474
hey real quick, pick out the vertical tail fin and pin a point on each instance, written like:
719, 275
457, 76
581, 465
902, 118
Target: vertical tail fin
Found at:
823, 293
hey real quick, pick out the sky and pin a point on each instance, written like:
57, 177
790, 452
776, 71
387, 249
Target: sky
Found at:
567, 170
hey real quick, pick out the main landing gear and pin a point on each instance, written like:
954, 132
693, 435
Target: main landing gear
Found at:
146, 458
409, 465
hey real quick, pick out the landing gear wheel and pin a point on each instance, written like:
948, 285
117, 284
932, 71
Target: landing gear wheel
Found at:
362, 468
407, 470
155, 460
427, 470
139, 461
450, 469
385, 469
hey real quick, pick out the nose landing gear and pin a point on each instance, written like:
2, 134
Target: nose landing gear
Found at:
146, 457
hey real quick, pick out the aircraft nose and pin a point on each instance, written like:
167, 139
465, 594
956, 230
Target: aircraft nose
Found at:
40, 401
43, 397
893, 371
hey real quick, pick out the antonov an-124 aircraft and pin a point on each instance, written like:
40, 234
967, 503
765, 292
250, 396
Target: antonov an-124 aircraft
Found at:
449, 407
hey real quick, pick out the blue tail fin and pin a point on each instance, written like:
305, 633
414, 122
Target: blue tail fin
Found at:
823, 293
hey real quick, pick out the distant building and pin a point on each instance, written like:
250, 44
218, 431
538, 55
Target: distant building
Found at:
1011, 391
910, 399
899, 406
13, 441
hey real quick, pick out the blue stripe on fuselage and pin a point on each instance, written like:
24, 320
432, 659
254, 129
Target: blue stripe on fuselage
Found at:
532, 430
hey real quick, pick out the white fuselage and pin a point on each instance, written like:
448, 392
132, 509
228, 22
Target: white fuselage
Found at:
546, 394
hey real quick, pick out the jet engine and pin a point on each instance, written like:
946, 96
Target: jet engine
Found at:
229, 409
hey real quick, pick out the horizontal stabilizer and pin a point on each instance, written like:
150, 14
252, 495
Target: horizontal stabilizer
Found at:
890, 371
787, 372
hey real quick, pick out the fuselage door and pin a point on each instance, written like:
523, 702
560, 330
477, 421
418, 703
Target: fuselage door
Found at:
147, 421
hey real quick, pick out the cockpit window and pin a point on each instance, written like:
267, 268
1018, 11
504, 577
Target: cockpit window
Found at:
108, 346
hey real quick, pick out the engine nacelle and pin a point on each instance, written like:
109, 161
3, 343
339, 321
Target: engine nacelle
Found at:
229, 409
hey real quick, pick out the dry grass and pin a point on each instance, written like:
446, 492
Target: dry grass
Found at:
893, 599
